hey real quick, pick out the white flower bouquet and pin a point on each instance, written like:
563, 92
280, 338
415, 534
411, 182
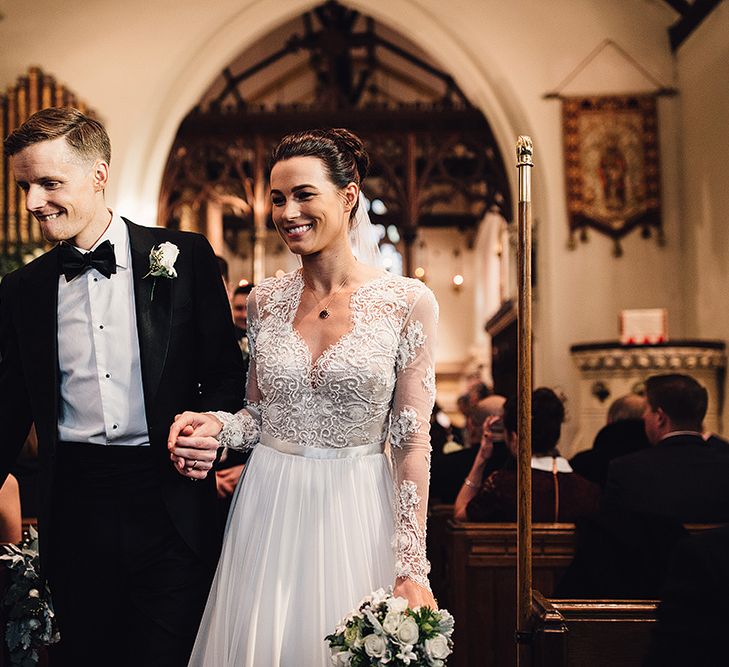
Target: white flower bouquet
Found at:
385, 631
31, 623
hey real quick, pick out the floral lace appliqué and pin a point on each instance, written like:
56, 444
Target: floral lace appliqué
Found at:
354, 394
409, 542
403, 425
411, 341
240, 431
429, 382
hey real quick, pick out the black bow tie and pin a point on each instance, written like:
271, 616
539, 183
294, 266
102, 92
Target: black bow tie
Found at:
74, 263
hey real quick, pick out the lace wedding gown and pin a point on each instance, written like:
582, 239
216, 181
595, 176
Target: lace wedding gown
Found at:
327, 511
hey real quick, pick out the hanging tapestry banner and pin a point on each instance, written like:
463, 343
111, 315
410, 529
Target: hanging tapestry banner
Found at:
612, 166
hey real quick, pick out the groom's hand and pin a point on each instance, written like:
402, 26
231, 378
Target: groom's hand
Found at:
192, 444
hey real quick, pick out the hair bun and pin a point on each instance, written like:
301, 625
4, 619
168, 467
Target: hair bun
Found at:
350, 142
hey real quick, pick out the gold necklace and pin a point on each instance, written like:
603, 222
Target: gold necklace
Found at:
324, 312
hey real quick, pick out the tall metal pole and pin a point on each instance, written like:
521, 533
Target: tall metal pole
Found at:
524, 472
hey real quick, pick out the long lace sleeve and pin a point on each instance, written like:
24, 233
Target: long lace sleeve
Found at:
410, 436
242, 430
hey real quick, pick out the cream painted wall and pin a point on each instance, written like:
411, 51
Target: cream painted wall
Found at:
144, 63
704, 103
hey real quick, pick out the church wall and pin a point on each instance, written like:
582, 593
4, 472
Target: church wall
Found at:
704, 102
143, 65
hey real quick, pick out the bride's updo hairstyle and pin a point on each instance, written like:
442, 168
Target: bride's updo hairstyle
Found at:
342, 152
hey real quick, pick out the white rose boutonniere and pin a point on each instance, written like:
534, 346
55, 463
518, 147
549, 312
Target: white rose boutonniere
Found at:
162, 262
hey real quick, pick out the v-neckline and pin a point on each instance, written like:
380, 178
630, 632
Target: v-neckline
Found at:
313, 364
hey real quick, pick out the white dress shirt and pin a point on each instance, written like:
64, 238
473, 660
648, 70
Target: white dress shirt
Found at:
102, 399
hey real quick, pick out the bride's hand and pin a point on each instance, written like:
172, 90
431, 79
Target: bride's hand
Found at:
192, 444
416, 595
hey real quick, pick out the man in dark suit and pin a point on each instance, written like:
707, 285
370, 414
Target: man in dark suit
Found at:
680, 476
693, 615
103, 340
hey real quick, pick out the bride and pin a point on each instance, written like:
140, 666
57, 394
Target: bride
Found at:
341, 385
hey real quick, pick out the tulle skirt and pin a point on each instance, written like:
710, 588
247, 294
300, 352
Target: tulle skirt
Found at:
306, 539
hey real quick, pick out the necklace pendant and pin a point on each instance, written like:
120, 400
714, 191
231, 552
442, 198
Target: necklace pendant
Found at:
323, 314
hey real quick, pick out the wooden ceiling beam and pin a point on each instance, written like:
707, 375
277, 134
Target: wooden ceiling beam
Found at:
683, 7
690, 20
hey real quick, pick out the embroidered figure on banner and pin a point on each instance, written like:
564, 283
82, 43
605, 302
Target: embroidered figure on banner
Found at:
612, 166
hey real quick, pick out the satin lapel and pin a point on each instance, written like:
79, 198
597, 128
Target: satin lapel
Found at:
154, 313
40, 334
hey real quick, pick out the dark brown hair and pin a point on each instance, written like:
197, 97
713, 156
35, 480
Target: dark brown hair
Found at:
547, 417
86, 136
342, 152
681, 397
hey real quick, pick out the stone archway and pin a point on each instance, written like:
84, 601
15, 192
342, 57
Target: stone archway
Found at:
434, 162
141, 174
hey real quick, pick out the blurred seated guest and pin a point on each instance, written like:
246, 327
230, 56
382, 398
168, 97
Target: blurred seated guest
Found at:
714, 440
478, 392
620, 555
630, 406
231, 464
623, 434
440, 432
11, 522
693, 614
25, 471
239, 304
679, 476
447, 473
558, 493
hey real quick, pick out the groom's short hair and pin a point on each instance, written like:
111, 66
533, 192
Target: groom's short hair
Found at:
86, 136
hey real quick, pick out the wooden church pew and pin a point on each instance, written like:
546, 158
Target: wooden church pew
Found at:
481, 581
591, 633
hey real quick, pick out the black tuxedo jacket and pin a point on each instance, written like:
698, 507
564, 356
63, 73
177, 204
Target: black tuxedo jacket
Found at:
680, 477
189, 358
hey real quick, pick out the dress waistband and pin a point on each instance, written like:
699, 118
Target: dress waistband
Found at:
321, 453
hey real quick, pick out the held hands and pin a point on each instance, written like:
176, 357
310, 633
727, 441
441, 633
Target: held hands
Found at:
192, 444
415, 594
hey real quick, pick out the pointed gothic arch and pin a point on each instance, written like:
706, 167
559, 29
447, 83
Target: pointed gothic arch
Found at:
435, 159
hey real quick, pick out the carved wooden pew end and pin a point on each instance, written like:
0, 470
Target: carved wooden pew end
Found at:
591, 632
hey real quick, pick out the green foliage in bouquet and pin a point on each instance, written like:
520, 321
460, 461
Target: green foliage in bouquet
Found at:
31, 622
385, 632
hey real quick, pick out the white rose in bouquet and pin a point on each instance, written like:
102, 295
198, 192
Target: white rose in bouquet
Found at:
397, 604
408, 632
392, 622
351, 634
379, 596
375, 646
437, 648
446, 622
342, 659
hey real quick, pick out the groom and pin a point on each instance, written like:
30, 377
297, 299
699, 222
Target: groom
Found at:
101, 345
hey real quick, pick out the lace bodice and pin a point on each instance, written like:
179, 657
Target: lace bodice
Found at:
377, 380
